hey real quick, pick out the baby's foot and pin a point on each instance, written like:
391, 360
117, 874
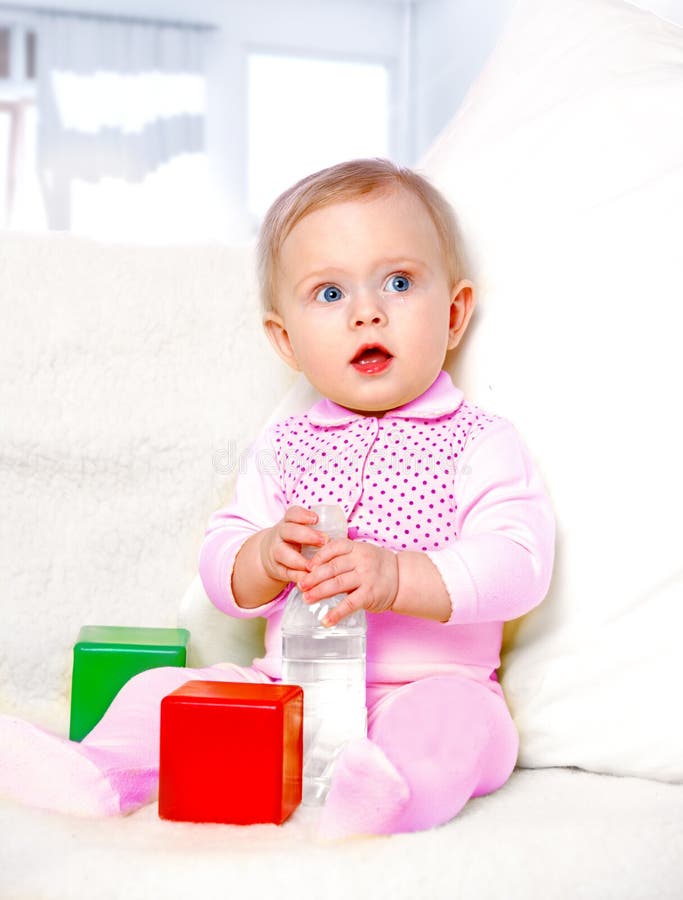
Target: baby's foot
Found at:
50, 772
367, 794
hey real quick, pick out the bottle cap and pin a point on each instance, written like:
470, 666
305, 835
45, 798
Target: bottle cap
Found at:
331, 520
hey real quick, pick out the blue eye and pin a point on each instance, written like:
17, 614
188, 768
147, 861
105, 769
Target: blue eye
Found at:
397, 284
329, 294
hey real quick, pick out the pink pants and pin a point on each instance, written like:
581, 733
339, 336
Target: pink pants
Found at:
432, 744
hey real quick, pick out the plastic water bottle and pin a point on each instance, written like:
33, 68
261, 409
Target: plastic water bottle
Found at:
329, 664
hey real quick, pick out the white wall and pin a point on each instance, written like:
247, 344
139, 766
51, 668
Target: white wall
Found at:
452, 41
668, 9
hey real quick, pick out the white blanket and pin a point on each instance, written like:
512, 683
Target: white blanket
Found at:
554, 834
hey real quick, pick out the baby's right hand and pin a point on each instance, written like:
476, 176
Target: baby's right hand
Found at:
280, 547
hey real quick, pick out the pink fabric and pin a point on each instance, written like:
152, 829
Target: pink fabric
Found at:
432, 745
441, 476
438, 475
115, 768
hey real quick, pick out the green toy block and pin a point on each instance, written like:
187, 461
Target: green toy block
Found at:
106, 657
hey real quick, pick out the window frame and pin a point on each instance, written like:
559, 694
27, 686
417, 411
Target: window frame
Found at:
17, 94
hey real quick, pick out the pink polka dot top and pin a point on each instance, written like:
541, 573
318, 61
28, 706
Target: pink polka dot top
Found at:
438, 475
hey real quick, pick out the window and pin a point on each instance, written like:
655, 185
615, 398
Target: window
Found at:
138, 171
111, 143
305, 114
20, 199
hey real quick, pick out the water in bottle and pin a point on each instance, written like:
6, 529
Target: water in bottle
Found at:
329, 664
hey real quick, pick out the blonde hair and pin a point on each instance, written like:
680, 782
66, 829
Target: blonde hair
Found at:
350, 181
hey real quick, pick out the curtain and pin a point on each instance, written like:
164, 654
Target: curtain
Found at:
117, 100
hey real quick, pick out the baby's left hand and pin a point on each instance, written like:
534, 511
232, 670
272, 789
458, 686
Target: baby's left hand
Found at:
367, 574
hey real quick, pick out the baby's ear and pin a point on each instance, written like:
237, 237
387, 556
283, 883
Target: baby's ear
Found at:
279, 338
462, 307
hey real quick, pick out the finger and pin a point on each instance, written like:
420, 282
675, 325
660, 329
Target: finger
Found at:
331, 550
293, 533
327, 572
301, 515
291, 564
344, 608
343, 583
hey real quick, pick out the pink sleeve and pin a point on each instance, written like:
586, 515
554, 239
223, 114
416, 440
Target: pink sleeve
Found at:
258, 502
499, 567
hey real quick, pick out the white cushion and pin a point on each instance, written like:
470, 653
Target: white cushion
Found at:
565, 166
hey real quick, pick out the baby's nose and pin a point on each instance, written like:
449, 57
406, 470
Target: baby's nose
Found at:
367, 310
374, 320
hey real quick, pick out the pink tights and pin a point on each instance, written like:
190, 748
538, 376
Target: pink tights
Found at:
432, 744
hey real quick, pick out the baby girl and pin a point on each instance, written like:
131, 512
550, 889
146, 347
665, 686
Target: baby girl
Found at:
450, 530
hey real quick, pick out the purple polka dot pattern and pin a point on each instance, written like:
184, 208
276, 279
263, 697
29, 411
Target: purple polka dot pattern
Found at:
393, 476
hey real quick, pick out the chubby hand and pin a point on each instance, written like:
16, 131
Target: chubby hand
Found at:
367, 574
280, 547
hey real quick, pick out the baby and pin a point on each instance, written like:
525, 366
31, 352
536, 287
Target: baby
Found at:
451, 533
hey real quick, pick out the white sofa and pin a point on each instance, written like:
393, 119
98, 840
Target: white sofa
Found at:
133, 377
127, 375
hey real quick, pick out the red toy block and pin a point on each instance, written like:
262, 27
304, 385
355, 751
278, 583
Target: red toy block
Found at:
231, 752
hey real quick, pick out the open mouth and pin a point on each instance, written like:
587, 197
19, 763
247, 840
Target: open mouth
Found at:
371, 359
